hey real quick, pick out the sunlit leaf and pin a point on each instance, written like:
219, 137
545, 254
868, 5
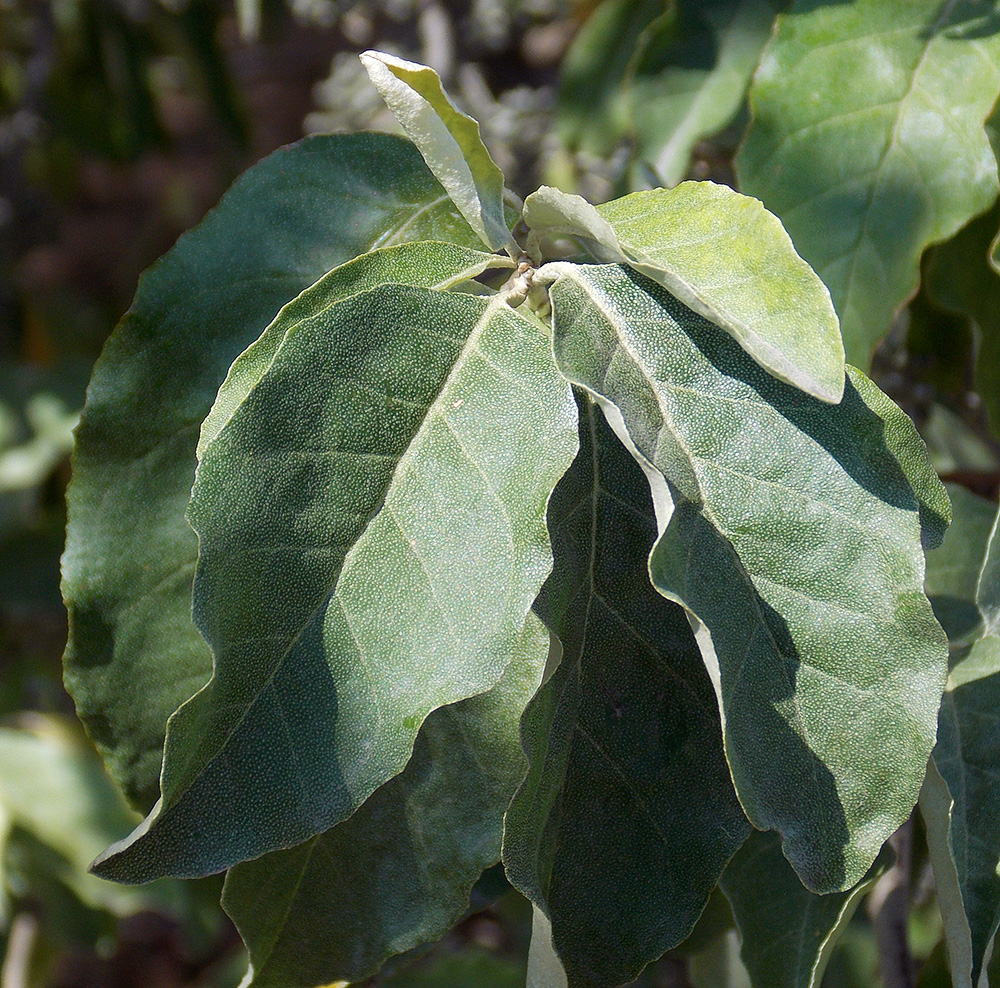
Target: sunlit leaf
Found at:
860, 145
449, 141
727, 258
423, 265
792, 531
371, 537
134, 654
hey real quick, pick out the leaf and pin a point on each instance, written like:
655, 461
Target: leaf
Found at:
371, 532
953, 568
791, 531
548, 212
53, 790
133, 654
399, 871
727, 258
724, 256
627, 816
959, 800
962, 276
689, 76
787, 932
449, 141
720, 966
423, 265
859, 145
592, 105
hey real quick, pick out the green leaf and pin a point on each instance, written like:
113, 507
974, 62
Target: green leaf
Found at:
449, 141
724, 256
730, 260
860, 146
133, 654
593, 107
953, 568
787, 932
720, 965
791, 530
689, 76
371, 537
959, 801
962, 275
53, 789
398, 872
423, 265
548, 212
628, 810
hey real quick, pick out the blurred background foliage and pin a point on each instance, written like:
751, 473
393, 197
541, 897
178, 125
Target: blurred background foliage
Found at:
121, 123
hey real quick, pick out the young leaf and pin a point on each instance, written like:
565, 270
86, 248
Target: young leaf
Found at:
449, 141
423, 265
551, 213
727, 258
959, 799
787, 932
724, 256
627, 816
398, 872
133, 654
689, 76
860, 146
791, 530
371, 536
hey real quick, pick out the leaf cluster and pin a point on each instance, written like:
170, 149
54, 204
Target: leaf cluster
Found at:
414, 528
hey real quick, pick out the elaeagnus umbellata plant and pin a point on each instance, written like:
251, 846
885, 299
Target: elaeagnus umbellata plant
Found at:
415, 528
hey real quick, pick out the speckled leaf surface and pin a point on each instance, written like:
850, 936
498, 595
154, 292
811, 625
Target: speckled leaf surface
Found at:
960, 801
134, 654
791, 530
371, 537
730, 260
398, 872
427, 264
448, 139
786, 931
628, 815
859, 144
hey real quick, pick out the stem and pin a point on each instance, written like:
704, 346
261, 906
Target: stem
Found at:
888, 907
20, 944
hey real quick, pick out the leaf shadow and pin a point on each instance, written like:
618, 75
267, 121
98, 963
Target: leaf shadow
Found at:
758, 667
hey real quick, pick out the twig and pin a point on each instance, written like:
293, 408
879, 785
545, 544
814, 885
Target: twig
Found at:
20, 944
888, 906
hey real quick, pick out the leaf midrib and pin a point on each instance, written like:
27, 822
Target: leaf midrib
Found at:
432, 410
